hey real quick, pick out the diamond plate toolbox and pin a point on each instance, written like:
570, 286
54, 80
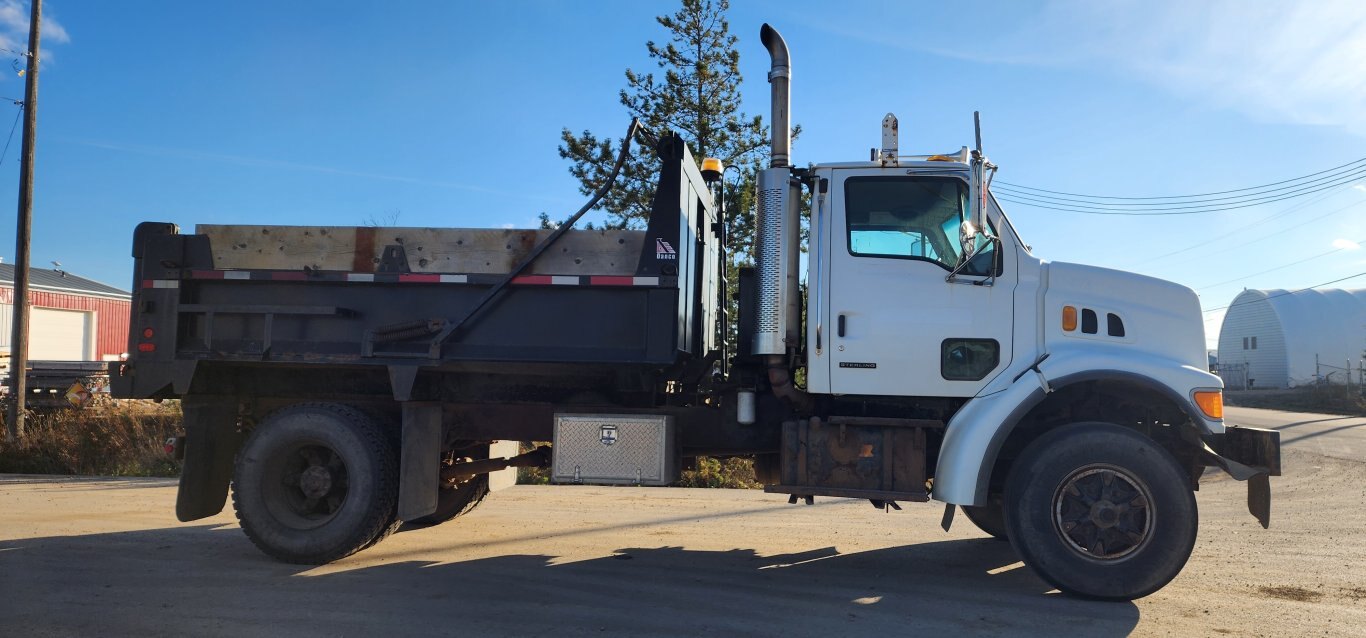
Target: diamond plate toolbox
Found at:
614, 449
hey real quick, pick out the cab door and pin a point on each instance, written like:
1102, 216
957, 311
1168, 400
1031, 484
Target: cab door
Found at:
896, 327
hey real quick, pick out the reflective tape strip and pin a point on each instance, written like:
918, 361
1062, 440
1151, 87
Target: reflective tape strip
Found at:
361, 277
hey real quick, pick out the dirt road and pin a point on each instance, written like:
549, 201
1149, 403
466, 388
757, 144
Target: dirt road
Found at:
106, 557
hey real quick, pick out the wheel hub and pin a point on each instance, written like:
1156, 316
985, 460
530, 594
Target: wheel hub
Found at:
316, 481
1103, 512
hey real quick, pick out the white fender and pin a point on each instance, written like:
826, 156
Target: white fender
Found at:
976, 432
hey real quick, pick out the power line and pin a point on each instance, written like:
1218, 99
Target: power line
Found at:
1180, 210
1293, 263
1236, 190
1269, 218
1233, 199
11, 136
1282, 294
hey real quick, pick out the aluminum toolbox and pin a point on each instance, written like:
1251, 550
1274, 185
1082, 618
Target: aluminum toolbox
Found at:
614, 449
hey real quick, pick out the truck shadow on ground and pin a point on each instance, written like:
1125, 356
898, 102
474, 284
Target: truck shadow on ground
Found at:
215, 581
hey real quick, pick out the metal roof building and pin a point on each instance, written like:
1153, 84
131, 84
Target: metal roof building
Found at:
1280, 338
71, 318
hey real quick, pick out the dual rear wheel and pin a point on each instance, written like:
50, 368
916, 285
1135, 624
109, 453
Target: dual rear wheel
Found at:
317, 482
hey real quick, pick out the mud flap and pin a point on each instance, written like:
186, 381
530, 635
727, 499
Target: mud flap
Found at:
1258, 484
420, 465
947, 521
211, 442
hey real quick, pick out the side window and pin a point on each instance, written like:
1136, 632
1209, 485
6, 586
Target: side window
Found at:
906, 217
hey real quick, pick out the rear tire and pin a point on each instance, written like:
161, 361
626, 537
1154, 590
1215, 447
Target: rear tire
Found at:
989, 518
1100, 511
456, 501
316, 482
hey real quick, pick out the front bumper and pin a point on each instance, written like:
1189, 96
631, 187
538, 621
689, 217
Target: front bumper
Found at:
1252, 455
1253, 447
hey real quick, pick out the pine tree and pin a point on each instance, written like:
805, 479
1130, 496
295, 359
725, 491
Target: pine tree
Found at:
699, 98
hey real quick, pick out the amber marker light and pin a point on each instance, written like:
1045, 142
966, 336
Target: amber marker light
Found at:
1211, 402
1069, 318
712, 169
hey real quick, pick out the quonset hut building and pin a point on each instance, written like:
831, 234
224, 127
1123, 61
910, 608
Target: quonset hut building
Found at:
1281, 339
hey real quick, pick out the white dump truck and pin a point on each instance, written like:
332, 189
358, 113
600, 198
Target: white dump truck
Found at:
344, 380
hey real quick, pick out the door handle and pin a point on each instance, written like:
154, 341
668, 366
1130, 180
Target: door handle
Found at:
840, 328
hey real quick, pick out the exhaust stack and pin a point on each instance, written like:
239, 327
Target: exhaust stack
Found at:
778, 320
779, 75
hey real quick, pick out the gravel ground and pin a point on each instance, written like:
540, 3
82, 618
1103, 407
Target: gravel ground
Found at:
105, 557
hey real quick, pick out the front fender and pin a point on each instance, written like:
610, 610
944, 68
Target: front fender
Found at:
976, 432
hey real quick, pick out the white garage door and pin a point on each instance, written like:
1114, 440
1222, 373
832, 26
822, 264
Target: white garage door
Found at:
60, 335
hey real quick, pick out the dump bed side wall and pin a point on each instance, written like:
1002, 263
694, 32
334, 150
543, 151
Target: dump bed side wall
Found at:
186, 310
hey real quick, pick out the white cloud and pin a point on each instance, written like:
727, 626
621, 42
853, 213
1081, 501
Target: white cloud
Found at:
1300, 63
1345, 244
1360, 187
14, 28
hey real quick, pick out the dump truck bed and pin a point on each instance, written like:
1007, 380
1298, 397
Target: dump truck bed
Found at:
415, 297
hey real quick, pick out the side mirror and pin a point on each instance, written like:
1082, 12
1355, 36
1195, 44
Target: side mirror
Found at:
967, 238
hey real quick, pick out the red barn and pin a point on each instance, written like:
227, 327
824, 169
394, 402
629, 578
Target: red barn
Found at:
70, 318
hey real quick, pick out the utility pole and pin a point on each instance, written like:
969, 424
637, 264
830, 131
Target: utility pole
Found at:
18, 366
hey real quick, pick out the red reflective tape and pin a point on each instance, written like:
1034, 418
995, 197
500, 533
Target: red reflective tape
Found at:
544, 280
611, 281
420, 278
206, 274
148, 283
147, 347
288, 276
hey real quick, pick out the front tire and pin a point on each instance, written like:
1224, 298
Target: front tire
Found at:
315, 483
1100, 511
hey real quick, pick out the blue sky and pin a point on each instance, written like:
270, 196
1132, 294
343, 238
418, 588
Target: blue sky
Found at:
449, 113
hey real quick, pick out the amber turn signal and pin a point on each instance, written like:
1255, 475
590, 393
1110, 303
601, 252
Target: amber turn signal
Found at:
1069, 318
1211, 402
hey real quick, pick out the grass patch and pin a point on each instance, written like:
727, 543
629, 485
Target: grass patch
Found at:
1325, 399
123, 439
734, 472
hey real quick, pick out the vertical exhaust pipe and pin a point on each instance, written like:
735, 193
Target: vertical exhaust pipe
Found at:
778, 324
780, 76
776, 223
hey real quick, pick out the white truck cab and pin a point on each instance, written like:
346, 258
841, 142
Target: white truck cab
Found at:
1063, 406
